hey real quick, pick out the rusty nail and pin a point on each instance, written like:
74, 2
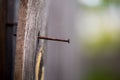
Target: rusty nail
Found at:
53, 39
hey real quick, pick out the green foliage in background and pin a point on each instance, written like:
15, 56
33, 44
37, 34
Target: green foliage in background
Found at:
107, 2
103, 5
102, 74
106, 44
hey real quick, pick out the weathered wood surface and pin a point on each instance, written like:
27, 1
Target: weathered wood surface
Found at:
2, 38
32, 19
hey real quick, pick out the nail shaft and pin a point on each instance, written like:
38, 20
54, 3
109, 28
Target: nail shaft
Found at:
53, 39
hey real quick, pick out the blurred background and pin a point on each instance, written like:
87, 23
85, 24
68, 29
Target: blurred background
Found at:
98, 31
93, 28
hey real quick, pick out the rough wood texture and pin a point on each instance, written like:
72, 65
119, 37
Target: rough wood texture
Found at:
20, 40
32, 19
2, 38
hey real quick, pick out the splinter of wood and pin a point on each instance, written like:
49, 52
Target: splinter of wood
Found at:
53, 39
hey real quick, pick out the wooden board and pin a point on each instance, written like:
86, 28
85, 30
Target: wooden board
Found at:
2, 38
32, 20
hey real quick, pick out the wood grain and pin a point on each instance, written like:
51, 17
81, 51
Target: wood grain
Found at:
20, 40
32, 19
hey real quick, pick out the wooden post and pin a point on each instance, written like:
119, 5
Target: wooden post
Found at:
2, 38
32, 19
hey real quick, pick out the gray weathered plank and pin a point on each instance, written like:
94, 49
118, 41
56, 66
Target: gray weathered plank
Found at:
32, 19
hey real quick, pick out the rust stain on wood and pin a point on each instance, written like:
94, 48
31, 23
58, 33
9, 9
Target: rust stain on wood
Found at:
20, 40
32, 19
